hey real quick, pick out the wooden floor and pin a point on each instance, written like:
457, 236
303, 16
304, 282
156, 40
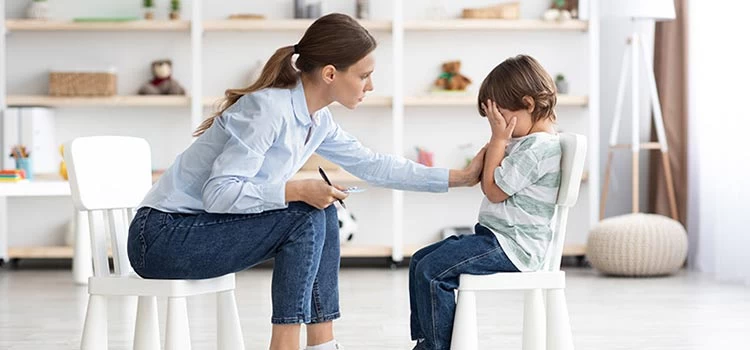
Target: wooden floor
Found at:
42, 309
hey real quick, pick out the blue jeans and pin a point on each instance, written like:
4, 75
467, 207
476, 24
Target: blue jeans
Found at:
433, 278
303, 240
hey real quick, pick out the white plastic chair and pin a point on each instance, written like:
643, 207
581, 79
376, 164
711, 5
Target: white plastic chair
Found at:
109, 176
545, 324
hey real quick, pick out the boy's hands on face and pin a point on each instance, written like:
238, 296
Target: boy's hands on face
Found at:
502, 131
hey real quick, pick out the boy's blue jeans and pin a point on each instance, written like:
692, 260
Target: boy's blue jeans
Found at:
433, 278
303, 240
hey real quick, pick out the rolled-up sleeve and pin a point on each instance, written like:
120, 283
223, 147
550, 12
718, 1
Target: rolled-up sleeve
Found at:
232, 187
380, 169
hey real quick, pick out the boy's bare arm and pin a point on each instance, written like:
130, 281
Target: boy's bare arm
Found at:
492, 159
501, 134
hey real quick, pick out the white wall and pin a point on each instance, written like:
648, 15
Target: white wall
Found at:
228, 57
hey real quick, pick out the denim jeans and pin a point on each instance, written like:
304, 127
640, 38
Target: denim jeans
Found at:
303, 240
433, 278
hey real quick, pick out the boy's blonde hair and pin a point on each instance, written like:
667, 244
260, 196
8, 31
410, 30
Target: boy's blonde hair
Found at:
515, 78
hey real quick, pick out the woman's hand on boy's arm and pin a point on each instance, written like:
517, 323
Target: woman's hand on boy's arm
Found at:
470, 175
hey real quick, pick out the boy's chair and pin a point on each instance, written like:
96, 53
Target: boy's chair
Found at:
546, 324
109, 176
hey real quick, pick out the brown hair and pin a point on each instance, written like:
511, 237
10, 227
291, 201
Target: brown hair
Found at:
334, 39
515, 78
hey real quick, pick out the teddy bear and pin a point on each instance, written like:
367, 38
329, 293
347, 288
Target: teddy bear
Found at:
451, 77
162, 82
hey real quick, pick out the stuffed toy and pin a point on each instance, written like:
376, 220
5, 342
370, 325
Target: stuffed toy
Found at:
162, 82
451, 78
561, 10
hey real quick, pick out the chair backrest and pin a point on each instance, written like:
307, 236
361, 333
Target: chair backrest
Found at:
571, 167
109, 176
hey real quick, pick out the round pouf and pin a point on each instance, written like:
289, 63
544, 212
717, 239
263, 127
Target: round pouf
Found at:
637, 245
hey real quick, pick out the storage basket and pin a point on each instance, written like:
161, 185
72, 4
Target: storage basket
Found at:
82, 84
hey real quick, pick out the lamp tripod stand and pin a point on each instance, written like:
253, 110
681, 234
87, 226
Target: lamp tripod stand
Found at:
633, 51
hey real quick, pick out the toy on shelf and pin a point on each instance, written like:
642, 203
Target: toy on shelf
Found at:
63, 167
308, 8
174, 10
424, 156
23, 161
561, 10
561, 84
347, 224
510, 10
38, 9
162, 82
148, 9
12, 175
451, 77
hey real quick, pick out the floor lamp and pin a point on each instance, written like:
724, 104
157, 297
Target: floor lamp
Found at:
639, 11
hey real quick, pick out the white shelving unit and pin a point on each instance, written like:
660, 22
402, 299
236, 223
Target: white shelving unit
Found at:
397, 102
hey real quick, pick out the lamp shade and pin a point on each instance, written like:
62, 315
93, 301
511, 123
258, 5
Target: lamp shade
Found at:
658, 10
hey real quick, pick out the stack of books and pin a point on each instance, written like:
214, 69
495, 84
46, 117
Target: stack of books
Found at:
12, 175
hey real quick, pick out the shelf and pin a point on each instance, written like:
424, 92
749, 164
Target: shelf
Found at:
448, 99
36, 188
228, 25
347, 251
113, 101
496, 24
140, 25
336, 176
370, 101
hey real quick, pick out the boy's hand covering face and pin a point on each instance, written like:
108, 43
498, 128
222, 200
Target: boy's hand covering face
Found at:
501, 130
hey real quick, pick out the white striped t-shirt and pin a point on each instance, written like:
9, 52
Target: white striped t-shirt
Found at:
530, 175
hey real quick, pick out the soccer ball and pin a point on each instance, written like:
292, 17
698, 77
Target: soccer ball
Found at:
347, 224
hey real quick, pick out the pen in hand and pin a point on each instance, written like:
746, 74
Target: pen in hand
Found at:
323, 174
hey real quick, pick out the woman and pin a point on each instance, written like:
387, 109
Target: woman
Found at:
227, 203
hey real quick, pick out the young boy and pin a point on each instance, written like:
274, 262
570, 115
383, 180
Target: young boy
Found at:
520, 181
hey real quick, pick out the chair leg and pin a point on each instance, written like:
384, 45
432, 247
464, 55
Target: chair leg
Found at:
178, 331
147, 325
95, 327
465, 332
534, 332
229, 332
559, 336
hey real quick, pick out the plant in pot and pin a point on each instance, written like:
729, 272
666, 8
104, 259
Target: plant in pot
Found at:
174, 12
38, 9
148, 9
561, 84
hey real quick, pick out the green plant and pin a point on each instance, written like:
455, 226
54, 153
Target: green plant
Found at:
148, 3
559, 77
175, 5
560, 4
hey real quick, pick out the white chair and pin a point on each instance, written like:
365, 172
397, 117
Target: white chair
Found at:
545, 324
109, 176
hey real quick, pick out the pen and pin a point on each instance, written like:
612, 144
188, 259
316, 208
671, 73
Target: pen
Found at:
323, 174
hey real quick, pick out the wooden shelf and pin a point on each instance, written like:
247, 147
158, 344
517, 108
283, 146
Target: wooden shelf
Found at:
140, 25
113, 101
227, 25
449, 99
347, 251
370, 101
496, 24
336, 176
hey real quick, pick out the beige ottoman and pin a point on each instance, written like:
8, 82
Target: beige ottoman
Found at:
637, 245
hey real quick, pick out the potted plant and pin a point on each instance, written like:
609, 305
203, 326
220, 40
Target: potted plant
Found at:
561, 84
148, 9
174, 12
38, 9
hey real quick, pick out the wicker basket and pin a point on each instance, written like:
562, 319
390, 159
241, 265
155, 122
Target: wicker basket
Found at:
82, 84
510, 10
